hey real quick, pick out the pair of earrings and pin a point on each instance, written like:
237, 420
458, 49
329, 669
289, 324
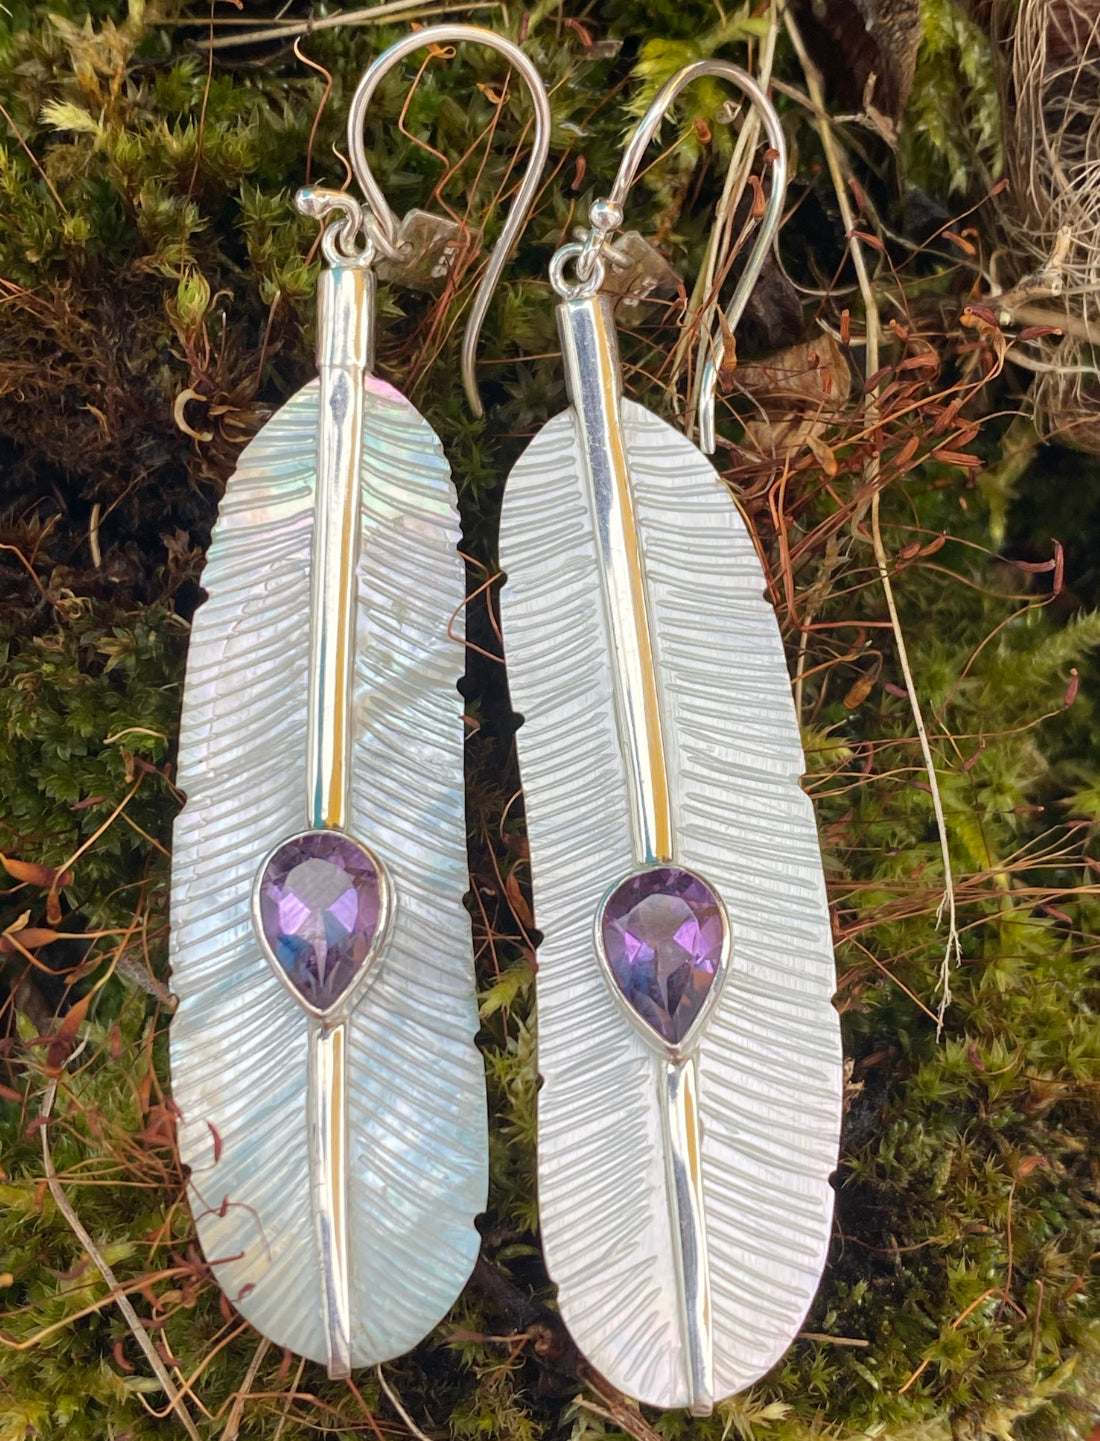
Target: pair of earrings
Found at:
331, 1098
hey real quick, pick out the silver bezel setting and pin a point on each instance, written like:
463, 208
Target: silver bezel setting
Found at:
346, 1002
676, 1051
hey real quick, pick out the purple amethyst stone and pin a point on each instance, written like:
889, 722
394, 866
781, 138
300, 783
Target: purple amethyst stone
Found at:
319, 907
663, 935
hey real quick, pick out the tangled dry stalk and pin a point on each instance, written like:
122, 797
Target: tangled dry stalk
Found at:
1049, 53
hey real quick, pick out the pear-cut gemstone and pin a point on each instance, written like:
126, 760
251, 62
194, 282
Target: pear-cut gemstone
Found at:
319, 907
663, 934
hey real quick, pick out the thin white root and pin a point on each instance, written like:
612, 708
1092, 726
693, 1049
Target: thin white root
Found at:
290, 1399
233, 1423
952, 951
395, 1401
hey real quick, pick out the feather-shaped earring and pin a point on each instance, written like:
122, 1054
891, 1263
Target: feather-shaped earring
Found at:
689, 1113
331, 1100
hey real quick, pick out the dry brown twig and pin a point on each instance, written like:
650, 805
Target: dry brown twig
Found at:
613, 1406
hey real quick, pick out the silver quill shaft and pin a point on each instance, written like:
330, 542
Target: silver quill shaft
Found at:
345, 345
345, 300
593, 378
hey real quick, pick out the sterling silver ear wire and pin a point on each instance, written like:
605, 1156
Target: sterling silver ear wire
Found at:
381, 222
607, 215
689, 1113
331, 1098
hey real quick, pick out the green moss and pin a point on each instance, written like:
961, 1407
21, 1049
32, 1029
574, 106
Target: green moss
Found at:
951, 136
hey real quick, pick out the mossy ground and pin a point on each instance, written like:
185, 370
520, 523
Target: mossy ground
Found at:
157, 299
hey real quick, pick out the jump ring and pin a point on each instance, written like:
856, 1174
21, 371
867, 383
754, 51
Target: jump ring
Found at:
339, 243
585, 286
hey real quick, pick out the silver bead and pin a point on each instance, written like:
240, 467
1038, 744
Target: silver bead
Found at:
605, 215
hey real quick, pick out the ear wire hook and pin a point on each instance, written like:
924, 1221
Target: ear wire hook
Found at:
606, 215
382, 223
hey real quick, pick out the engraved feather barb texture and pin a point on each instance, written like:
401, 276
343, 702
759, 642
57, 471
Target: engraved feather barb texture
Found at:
761, 1088
413, 1091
